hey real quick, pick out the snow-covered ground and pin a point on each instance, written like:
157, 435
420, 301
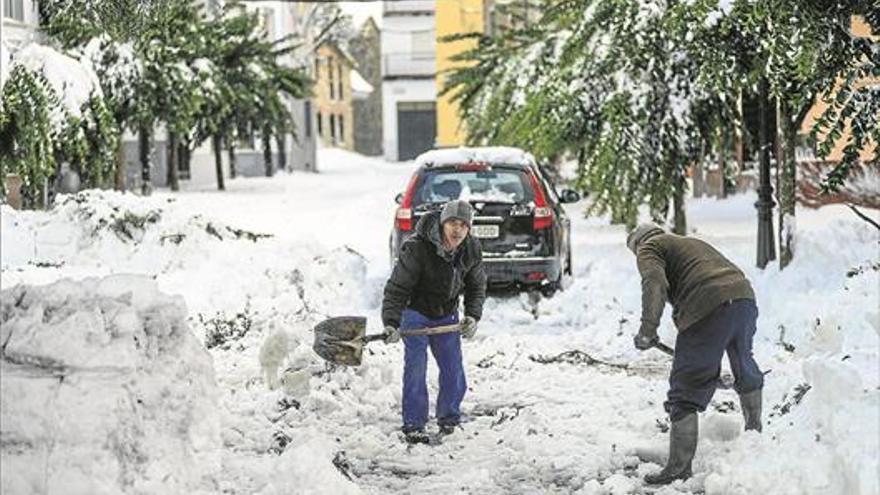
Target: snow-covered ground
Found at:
530, 427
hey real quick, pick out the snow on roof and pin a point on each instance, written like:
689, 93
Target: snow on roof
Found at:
360, 88
73, 81
491, 154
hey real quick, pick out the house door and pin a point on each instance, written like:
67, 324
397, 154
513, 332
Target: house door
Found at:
416, 128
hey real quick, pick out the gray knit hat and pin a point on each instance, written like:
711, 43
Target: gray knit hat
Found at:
641, 233
457, 208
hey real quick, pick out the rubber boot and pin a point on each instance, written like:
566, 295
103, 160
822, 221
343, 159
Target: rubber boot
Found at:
750, 403
682, 447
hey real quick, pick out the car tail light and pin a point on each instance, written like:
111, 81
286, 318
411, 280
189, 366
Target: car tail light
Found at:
543, 212
535, 276
403, 218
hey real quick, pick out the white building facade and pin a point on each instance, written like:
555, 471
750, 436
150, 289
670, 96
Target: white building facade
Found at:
409, 92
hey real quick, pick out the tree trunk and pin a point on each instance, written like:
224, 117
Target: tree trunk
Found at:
119, 173
217, 141
699, 176
738, 144
678, 213
145, 143
786, 181
233, 173
183, 156
722, 164
267, 151
173, 176
282, 151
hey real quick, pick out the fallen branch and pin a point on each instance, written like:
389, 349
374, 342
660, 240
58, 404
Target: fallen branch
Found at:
575, 357
863, 216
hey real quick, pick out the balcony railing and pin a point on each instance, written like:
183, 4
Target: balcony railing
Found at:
409, 64
403, 7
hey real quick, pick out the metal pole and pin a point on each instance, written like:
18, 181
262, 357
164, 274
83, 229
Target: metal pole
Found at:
766, 242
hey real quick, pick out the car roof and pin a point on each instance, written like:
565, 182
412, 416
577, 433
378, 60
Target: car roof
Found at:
494, 155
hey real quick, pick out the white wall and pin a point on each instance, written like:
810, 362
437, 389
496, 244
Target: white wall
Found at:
397, 32
395, 91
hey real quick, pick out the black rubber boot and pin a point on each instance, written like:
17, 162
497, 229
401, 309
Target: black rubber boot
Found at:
682, 447
750, 403
416, 435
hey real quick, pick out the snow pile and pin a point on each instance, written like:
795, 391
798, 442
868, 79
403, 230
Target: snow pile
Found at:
105, 390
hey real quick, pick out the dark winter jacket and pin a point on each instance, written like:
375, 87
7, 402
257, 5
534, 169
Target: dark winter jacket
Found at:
691, 274
428, 279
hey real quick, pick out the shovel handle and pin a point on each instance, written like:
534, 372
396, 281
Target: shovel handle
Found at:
416, 331
665, 348
431, 330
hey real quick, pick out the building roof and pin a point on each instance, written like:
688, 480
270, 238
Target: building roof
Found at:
335, 47
360, 88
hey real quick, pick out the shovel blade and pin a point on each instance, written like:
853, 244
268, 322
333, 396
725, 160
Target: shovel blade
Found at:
340, 340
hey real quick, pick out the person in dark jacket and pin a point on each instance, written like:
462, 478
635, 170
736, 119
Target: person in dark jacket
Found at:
714, 310
435, 266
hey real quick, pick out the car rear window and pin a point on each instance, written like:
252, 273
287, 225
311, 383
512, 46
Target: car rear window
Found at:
492, 186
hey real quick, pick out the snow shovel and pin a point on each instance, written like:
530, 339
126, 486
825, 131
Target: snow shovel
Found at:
341, 340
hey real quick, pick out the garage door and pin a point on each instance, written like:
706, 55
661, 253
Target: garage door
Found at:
416, 128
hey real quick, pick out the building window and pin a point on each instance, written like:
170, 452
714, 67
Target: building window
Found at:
423, 41
14, 9
317, 66
307, 123
330, 76
341, 129
332, 128
320, 124
341, 97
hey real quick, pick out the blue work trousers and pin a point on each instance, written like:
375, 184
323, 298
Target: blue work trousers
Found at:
446, 349
698, 352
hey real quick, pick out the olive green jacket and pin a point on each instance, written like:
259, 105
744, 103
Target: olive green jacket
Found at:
690, 274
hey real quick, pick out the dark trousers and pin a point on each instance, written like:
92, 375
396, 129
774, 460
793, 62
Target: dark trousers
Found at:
446, 349
698, 352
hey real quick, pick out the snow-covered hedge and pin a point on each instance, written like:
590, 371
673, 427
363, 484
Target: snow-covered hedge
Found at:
105, 391
52, 110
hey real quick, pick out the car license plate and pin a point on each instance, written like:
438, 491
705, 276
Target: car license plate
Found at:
485, 231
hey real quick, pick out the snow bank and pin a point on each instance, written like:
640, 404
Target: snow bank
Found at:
105, 390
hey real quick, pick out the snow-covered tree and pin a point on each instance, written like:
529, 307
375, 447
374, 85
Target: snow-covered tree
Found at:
803, 51
604, 81
54, 112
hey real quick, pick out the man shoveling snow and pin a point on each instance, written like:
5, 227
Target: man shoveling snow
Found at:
714, 310
436, 265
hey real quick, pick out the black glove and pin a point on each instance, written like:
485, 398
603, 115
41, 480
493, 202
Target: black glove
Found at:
645, 339
468, 327
392, 335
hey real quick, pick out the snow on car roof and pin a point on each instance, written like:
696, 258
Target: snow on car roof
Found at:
488, 154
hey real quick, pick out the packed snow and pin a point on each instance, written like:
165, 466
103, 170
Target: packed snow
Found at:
558, 401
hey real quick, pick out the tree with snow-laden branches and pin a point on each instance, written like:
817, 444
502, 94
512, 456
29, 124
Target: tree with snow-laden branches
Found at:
53, 111
639, 90
803, 52
603, 81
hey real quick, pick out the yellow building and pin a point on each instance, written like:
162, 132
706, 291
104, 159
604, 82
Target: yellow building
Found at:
453, 17
469, 16
333, 97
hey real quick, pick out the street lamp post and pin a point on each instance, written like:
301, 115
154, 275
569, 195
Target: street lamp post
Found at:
766, 244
